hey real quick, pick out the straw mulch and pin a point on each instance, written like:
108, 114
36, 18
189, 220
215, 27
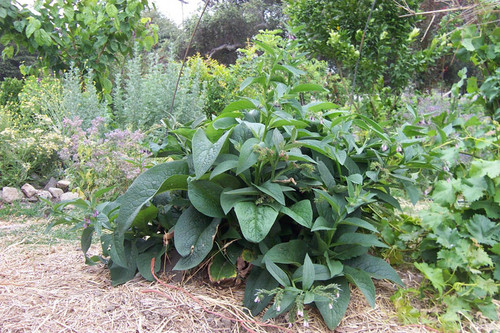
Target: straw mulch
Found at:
48, 288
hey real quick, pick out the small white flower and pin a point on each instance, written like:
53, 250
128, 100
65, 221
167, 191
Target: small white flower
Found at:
306, 323
257, 299
384, 147
300, 313
330, 306
278, 308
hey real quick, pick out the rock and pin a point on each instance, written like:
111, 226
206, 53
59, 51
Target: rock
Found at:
68, 196
63, 185
56, 192
11, 194
43, 194
32, 199
28, 190
52, 183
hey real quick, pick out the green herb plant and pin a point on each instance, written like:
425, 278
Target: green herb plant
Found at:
278, 180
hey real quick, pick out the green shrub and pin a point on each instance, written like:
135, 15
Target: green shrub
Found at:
9, 90
289, 187
142, 96
28, 155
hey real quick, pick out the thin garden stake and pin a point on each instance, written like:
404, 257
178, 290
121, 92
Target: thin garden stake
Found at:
360, 50
185, 56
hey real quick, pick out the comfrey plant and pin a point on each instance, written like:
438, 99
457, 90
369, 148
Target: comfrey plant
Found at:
286, 186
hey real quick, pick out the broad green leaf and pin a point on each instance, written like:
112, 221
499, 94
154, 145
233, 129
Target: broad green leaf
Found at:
366, 240
242, 104
473, 188
321, 273
155, 180
322, 224
295, 71
33, 25
193, 237
480, 168
308, 274
445, 192
144, 261
363, 281
224, 123
123, 273
255, 221
355, 221
86, 239
356, 178
387, 198
111, 10
320, 106
205, 152
291, 252
334, 266
306, 87
277, 273
258, 279
223, 167
333, 313
367, 123
42, 38
483, 230
247, 155
205, 197
265, 47
376, 267
221, 269
273, 190
228, 201
435, 275
331, 200
301, 212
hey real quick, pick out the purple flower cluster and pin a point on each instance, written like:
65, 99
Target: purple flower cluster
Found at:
97, 157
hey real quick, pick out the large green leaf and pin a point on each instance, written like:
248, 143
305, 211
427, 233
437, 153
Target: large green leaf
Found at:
291, 252
144, 261
321, 273
483, 230
123, 273
205, 197
480, 168
193, 237
444, 192
363, 281
356, 221
255, 221
273, 190
155, 180
205, 152
221, 269
301, 212
435, 275
308, 273
258, 279
376, 267
353, 238
247, 156
277, 273
333, 313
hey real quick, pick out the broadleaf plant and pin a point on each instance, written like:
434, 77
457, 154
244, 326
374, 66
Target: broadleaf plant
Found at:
276, 179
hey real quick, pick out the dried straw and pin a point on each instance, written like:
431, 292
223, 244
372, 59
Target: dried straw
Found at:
48, 288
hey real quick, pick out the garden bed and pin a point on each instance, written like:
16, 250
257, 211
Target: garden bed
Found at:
45, 286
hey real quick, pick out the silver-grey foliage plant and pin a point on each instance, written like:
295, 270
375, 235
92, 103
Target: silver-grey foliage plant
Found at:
143, 93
